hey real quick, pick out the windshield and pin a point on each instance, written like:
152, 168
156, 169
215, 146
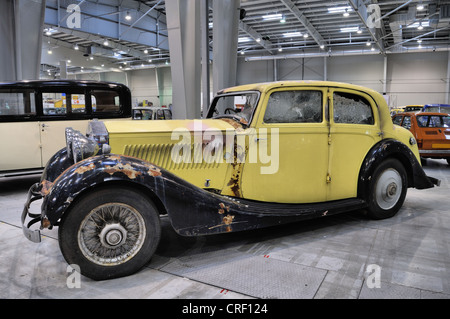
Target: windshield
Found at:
433, 121
238, 106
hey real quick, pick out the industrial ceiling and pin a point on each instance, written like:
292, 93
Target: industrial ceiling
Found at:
268, 29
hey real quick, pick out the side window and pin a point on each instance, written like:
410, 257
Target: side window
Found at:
104, 101
59, 103
17, 103
294, 107
397, 120
54, 103
351, 109
406, 122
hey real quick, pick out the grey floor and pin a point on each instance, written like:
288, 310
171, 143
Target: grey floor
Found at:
336, 257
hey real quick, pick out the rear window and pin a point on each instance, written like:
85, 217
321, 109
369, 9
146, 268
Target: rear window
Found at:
104, 101
433, 121
17, 103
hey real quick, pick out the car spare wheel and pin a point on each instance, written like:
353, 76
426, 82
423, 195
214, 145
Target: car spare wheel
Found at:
111, 232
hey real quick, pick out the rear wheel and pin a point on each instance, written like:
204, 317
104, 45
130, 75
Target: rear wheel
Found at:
387, 189
110, 233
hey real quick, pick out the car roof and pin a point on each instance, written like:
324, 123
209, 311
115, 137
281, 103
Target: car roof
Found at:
421, 113
59, 83
266, 86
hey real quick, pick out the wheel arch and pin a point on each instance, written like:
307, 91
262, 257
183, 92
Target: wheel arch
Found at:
383, 150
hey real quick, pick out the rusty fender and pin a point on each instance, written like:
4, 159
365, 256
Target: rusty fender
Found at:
390, 148
192, 211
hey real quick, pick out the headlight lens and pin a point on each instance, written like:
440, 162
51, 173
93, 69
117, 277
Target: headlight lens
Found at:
79, 146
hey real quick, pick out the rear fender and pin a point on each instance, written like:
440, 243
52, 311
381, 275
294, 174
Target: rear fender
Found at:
390, 148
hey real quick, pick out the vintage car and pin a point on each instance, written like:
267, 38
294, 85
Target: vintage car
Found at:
431, 130
35, 114
266, 154
439, 108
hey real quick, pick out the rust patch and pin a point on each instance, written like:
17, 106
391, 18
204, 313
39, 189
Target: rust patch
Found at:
154, 171
233, 123
227, 221
84, 169
127, 169
223, 208
46, 186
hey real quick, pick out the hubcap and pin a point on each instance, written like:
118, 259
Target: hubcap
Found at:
111, 234
388, 189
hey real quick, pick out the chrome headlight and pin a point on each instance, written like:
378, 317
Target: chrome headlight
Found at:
83, 147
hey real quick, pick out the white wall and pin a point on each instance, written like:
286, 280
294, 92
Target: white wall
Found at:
412, 78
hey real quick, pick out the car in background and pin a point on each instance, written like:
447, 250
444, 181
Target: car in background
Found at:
431, 130
412, 108
152, 113
35, 114
397, 110
440, 108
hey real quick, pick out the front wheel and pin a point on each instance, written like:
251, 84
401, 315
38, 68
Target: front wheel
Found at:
387, 189
110, 233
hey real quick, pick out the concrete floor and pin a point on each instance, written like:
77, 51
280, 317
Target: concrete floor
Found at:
343, 256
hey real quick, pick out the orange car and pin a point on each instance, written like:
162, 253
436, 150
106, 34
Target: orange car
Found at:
431, 130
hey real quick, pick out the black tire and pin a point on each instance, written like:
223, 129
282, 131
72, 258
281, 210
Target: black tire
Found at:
109, 233
387, 190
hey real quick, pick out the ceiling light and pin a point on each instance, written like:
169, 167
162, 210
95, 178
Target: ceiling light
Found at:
76, 47
340, 9
105, 43
350, 29
145, 51
128, 17
258, 40
280, 49
368, 43
150, 60
420, 27
305, 35
49, 51
292, 34
420, 6
346, 14
275, 16
91, 57
372, 49
359, 31
242, 52
283, 19
244, 39
419, 41
417, 24
322, 46
69, 61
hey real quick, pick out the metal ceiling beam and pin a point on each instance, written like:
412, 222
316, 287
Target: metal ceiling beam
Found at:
256, 36
301, 17
360, 8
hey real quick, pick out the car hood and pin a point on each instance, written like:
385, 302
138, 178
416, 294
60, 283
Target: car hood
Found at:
168, 126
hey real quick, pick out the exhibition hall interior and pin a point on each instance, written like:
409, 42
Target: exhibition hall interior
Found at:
225, 153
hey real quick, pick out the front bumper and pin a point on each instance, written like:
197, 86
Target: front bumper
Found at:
33, 235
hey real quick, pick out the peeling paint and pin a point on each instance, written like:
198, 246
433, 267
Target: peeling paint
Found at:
84, 169
46, 186
126, 169
223, 208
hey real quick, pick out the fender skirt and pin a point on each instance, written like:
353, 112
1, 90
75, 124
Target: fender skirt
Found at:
192, 211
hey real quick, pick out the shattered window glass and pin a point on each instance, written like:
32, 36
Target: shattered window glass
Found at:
294, 107
351, 109
407, 122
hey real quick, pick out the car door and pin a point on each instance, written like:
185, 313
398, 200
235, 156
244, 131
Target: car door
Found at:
288, 149
354, 129
19, 130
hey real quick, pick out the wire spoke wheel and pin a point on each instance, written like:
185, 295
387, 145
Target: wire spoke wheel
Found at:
111, 234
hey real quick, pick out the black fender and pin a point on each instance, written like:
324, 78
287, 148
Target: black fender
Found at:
390, 148
192, 211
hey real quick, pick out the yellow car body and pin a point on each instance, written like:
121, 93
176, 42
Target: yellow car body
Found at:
322, 159
265, 154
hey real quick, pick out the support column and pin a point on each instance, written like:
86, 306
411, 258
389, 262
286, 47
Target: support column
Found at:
385, 75
21, 27
325, 68
183, 23
225, 35
447, 91
62, 69
205, 55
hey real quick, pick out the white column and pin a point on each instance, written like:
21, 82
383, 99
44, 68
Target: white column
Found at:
183, 23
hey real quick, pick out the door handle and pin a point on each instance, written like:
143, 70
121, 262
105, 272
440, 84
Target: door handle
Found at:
43, 125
